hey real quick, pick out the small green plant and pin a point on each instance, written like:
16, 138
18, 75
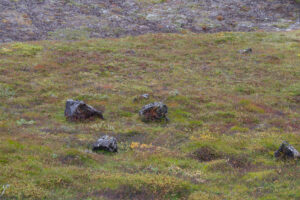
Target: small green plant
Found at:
239, 129
4, 187
195, 123
21, 49
245, 89
21, 122
294, 90
6, 91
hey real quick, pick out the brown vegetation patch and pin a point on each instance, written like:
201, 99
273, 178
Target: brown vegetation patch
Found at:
270, 110
206, 154
126, 192
71, 160
239, 161
295, 125
272, 59
296, 99
132, 136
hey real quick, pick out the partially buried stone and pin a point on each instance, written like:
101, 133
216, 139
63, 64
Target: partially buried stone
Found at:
106, 143
145, 96
78, 110
286, 151
246, 51
156, 111
141, 97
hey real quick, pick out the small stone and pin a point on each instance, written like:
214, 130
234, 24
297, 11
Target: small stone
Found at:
106, 143
174, 92
286, 151
246, 51
220, 18
145, 96
153, 17
78, 110
156, 111
131, 52
141, 97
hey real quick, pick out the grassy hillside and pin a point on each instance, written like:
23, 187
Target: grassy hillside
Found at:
228, 113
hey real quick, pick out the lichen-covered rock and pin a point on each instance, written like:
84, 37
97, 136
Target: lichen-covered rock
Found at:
156, 111
106, 143
78, 110
286, 151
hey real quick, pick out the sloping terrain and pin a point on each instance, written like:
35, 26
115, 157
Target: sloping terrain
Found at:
23, 20
228, 113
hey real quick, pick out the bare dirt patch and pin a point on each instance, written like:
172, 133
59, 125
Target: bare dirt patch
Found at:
206, 154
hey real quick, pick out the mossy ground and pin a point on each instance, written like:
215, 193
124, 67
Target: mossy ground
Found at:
235, 108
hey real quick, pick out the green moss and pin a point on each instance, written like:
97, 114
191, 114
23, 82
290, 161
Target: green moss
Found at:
25, 122
239, 129
6, 91
21, 49
260, 176
294, 89
245, 89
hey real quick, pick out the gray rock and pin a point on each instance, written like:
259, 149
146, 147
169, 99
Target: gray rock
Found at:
106, 143
141, 97
78, 110
246, 51
156, 111
286, 151
174, 92
145, 96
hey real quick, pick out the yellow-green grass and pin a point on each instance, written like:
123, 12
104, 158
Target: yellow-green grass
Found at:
235, 109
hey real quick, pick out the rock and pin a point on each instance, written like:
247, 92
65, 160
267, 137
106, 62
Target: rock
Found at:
78, 110
174, 92
220, 18
153, 17
246, 51
145, 96
156, 111
286, 151
131, 52
141, 97
106, 143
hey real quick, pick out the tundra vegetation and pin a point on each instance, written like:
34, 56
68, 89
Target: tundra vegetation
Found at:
228, 113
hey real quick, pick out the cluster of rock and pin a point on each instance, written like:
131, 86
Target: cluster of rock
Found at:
79, 111
154, 112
